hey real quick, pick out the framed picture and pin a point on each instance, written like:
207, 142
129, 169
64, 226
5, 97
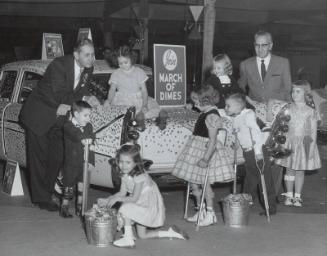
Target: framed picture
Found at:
52, 46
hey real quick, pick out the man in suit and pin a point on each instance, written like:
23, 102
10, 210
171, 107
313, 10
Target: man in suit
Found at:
44, 113
267, 77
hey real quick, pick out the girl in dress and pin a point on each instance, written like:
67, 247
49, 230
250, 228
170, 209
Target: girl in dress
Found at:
127, 85
221, 78
141, 200
202, 151
302, 140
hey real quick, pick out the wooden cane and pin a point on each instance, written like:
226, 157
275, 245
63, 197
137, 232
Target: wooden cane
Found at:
187, 200
235, 164
86, 178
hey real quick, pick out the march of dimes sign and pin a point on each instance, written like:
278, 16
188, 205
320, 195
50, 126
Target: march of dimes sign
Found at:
169, 74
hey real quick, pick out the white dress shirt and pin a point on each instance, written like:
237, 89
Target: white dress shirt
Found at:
266, 62
77, 73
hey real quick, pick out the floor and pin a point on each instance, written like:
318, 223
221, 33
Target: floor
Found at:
27, 230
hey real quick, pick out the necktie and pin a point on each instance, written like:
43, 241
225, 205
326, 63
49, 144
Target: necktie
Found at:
263, 70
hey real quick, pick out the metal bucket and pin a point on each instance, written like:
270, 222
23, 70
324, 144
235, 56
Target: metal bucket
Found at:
100, 227
236, 209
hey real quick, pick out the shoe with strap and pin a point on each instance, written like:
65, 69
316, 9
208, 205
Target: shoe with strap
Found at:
288, 201
209, 219
297, 202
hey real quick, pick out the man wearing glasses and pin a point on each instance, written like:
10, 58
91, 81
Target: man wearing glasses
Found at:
266, 75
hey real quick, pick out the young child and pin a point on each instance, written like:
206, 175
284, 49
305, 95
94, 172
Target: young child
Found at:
302, 140
127, 86
77, 132
255, 154
221, 78
141, 200
202, 151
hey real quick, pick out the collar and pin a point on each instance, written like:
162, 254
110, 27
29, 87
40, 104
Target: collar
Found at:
224, 79
266, 60
75, 123
78, 69
209, 108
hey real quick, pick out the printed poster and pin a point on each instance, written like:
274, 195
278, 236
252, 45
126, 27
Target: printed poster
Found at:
52, 46
170, 75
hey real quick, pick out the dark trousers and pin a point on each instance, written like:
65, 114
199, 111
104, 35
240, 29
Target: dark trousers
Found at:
252, 177
45, 158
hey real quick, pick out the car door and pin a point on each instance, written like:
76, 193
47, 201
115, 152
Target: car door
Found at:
14, 134
8, 80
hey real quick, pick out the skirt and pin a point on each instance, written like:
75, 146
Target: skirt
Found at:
220, 166
300, 160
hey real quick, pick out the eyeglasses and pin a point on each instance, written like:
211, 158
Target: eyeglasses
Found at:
261, 45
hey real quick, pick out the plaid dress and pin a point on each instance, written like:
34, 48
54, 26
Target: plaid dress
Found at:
220, 165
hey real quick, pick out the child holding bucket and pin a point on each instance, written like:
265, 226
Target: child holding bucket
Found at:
255, 154
202, 152
302, 140
142, 203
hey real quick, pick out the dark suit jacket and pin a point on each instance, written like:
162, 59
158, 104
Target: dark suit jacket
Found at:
277, 83
56, 87
224, 90
74, 152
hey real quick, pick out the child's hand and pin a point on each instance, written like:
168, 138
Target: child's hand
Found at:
86, 142
102, 202
106, 104
112, 200
145, 109
189, 106
202, 163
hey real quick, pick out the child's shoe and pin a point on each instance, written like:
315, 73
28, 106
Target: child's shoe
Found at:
64, 211
78, 210
288, 201
124, 242
209, 219
297, 202
194, 218
176, 232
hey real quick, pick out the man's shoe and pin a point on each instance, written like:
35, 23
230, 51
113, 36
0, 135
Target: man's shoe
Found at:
49, 206
271, 212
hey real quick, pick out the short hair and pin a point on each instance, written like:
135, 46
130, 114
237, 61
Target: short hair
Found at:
82, 42
239, 98
228, 64
79, 106
207, 95
263, 33
133, 150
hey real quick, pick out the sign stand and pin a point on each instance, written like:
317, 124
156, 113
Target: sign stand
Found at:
84, 33
12, 182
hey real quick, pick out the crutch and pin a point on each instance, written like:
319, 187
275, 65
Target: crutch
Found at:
264, 190
187, 200
263, 183
202, 198
235, 163
86, 178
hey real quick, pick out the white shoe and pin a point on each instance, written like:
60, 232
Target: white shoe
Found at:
194, 218
124, 242
176, 232
209, 219
297, 202
288, 201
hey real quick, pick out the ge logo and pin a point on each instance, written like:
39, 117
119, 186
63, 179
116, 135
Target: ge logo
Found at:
169, 60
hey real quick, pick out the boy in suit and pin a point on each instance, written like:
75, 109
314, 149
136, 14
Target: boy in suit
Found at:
76, 133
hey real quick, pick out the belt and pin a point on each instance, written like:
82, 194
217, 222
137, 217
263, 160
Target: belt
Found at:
247, 149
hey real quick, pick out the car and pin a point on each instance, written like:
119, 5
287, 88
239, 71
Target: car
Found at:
160, 146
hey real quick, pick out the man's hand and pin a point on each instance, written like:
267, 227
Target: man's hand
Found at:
202, 163
92, 100
63, 109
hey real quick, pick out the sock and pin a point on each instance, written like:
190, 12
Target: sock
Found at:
297, 195
289, 194
209, 209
